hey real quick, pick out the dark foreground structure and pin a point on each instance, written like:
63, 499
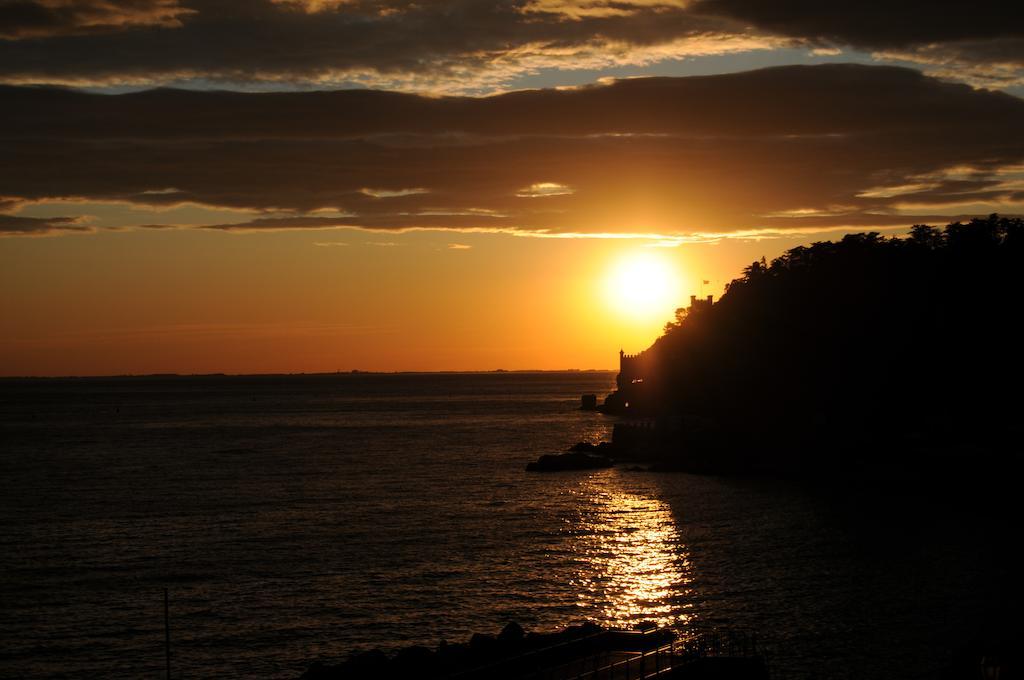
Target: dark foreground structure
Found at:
586, 652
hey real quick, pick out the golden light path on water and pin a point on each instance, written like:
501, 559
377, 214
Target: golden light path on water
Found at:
633, 564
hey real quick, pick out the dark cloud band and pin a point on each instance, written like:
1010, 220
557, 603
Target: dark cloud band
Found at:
468, 45
787, 146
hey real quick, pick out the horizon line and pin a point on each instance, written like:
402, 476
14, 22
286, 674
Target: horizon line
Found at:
302, 373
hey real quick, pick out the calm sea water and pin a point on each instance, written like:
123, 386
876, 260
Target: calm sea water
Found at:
304, 517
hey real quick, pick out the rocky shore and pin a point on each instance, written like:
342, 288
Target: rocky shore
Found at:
589, 456
511, 653
572, 460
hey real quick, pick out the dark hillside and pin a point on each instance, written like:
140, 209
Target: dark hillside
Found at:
868, 339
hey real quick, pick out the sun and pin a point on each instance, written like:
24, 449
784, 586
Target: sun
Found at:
643, 286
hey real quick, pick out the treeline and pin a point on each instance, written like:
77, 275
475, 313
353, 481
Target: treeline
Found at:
865, 337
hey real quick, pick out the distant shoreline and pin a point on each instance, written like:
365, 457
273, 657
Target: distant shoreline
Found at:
143, 376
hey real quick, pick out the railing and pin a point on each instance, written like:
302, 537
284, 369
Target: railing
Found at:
520, 666
636, 666
737, 643
652, 663
616, 655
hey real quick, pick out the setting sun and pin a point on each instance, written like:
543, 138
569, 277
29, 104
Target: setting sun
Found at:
643, 286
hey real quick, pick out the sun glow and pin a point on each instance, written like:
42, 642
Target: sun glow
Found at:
643, 286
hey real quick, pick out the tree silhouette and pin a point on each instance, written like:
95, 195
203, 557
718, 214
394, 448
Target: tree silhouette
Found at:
871, 340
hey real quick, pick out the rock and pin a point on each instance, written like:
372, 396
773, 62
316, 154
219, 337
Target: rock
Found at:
455, 655
373, 662
417, 662
453, 659
318, 670
513, 632
482, 642
569, 461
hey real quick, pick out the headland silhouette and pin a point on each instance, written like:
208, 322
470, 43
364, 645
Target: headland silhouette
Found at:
895, 356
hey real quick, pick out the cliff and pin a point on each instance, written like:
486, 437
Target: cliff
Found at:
871, 344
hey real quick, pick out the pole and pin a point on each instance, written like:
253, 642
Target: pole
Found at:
167, 634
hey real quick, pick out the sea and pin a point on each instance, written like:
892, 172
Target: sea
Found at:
308, 517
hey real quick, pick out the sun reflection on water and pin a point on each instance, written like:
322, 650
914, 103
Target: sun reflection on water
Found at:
632, 563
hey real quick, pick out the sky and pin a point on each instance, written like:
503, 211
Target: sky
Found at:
249, 186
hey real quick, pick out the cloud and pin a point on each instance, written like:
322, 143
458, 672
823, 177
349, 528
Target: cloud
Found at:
577, 10
52, 18
544, 189
13, 225
393, 193
994, 63
459, 246
469, 46
445, 45
788, 147
980, 42
874, 24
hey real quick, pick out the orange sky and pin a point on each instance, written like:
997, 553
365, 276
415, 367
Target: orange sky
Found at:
193, 186
201, 301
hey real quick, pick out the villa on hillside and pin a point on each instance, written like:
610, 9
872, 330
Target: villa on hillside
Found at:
633, 368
